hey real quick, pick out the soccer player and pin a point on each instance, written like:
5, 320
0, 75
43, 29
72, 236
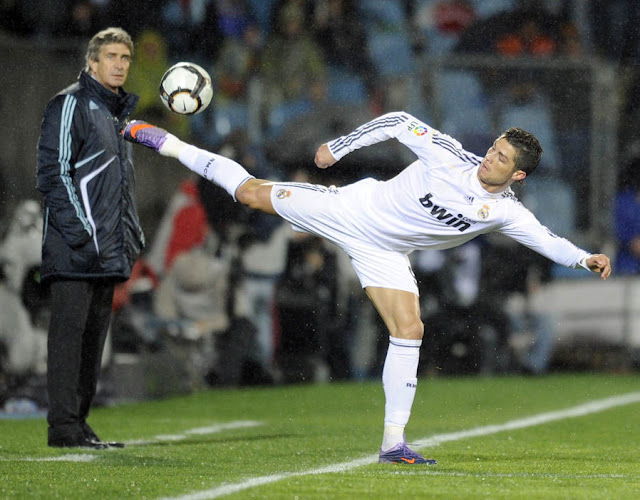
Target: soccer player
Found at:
443, 199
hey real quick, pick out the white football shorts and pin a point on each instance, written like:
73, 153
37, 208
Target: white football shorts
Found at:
320, 210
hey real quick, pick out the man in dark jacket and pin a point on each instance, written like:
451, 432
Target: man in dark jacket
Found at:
92, 234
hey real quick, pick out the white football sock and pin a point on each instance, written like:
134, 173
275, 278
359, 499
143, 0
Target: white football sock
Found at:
172, 146
399, 381
223, 171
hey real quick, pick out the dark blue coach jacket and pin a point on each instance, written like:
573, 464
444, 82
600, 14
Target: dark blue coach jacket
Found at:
85, 174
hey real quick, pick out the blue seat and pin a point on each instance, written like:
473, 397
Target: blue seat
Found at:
284, 113
219, 120
230, 117
437, 42
262, 10
534, 116
552, 201
390, 53
488, 8
463, 105
458, 88
388, 43
554, 204
345, 87
388, 12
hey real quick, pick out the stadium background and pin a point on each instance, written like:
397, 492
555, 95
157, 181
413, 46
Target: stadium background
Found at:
583, 99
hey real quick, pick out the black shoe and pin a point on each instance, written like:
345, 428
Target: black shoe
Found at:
110, 444
77, 442
90, 435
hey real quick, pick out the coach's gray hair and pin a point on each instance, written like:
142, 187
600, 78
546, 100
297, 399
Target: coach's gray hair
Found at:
105, 37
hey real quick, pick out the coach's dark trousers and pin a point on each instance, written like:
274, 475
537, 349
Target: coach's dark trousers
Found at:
80, 315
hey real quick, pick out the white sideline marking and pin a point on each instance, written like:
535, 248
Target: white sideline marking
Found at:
63, 458
541, 418
547, 475
211, 429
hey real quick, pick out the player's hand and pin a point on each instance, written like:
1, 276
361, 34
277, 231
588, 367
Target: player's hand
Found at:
324, 158
600, 263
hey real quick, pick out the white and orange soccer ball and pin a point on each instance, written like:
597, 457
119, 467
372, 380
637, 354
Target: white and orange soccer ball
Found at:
186, 88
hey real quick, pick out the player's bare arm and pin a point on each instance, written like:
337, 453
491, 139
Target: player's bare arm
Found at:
599, 263
324, 158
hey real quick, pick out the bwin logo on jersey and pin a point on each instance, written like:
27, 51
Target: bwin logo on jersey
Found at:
440, 213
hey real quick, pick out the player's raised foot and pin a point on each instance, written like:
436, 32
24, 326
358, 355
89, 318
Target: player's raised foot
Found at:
402, 454
140, 132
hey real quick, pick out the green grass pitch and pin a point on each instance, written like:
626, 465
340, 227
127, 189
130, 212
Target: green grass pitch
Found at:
321, 441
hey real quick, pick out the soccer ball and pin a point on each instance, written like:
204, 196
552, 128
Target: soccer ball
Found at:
186, 88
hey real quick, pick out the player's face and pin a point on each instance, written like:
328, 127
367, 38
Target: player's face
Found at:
112, 67
498, 168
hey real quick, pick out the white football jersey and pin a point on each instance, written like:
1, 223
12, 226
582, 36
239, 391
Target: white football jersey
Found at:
437, 202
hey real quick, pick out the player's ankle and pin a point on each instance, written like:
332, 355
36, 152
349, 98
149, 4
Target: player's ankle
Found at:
172, 146
393, 434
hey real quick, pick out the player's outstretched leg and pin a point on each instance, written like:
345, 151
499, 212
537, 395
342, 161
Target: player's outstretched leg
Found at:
402, 454
223, 171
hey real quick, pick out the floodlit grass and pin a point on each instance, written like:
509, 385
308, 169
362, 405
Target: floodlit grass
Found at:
321, 442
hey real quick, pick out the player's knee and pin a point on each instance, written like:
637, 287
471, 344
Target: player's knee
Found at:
246, 195
255, 194
413, 330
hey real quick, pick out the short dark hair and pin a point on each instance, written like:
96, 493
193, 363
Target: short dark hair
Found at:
528, 148
106, 37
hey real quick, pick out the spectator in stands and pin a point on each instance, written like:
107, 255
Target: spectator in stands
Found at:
627, 219
136, 16
306, 302
23, 346
260, 242
191, 300
82, 21
41, 22
13, 18
183, 227
438, 24
467, 333
530, 30
293, 68
233, 17
614, 24
339, 31
238, 62
531, 334
151, 63
23, 336
537, 329
191, 29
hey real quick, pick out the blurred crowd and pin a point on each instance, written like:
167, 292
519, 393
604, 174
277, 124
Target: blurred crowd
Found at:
238, 294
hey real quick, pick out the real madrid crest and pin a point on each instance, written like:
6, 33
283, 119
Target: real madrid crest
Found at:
483, 213
281, 194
